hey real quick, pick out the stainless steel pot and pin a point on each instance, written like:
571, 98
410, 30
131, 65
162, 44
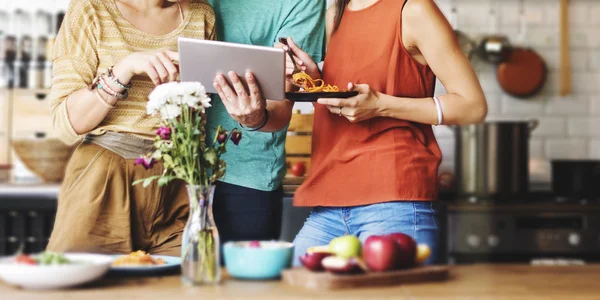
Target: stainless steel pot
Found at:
492, 159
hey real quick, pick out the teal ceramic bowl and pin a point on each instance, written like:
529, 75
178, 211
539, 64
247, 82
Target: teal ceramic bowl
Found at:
264, 262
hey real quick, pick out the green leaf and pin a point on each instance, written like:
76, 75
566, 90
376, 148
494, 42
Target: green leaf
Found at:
163, 181
168, 160
148, 181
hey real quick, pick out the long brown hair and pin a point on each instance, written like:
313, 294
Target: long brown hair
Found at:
340, 6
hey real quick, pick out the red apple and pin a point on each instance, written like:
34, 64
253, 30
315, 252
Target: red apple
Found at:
313, 261
407, 250
340, 265
298, 169
381, 253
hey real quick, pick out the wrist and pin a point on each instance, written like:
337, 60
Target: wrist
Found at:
383, 105
122, 73
258, 124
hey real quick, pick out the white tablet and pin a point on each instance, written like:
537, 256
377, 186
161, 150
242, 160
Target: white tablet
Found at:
202, 60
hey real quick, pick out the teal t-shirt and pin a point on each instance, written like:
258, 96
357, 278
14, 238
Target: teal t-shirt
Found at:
258, 162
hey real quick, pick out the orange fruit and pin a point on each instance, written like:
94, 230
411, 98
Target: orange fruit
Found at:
423, 253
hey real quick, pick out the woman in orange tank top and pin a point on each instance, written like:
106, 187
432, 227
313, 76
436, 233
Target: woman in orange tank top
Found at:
374, 156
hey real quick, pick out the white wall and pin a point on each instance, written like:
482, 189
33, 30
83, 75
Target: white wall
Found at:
569, 126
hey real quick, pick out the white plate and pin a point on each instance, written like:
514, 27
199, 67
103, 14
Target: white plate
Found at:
171, 263
88, 267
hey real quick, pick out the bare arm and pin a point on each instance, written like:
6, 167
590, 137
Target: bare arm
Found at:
430, 42
85, 109
435, 41
76, 109
247, 106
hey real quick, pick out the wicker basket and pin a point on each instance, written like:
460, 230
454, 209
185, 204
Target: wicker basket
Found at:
46, 158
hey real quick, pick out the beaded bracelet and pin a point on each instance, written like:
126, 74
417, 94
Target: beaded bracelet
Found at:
261, 125
106, 88
102, 100
114, 79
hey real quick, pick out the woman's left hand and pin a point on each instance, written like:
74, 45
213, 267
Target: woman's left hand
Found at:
363, 106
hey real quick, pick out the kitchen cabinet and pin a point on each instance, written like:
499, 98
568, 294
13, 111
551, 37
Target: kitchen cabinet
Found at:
32, 113
466, 282
292, 218
26, 217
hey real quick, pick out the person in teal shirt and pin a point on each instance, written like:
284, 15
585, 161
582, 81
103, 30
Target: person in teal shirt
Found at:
248, 200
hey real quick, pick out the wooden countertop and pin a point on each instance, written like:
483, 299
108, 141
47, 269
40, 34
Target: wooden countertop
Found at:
467, 282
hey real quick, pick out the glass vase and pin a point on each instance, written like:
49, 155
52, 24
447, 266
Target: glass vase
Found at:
200, 262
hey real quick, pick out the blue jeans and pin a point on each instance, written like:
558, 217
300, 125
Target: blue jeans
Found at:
417, 219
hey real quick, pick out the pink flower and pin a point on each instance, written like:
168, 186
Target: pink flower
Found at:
164, 132
146, 162
222, 137
236, 136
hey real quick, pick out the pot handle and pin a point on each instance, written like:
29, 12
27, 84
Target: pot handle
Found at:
532, 124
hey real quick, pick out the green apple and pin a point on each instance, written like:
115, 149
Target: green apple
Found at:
346, 246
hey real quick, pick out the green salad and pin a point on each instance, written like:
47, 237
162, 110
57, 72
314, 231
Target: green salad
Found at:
43, 259
52, 258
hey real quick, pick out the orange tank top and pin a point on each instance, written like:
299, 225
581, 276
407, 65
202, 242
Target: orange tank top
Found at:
382, 159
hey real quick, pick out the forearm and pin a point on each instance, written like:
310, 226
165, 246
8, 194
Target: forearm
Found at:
280, 114
456, 109
88, 108
85, 110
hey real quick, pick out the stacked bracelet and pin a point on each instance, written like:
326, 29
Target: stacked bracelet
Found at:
102, 100
101, 84
114, 79
440, 113
261, 125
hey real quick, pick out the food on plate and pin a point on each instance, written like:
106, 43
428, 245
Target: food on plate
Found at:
346, 246
298, 169
138, 258
314, 260
423, 253
24, 259
341, 265
43, 259
311, 85
408, 249
381, 253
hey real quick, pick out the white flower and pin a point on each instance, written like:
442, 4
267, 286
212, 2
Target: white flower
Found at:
190, 88
205, 100
165, 97
152, 107
190, 100
177, 99
160, 95
170, 111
